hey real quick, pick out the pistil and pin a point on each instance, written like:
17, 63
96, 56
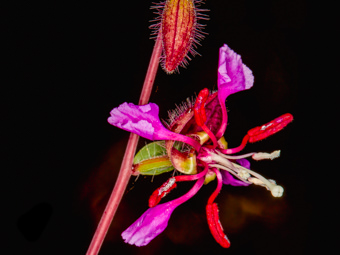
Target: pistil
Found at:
276, 190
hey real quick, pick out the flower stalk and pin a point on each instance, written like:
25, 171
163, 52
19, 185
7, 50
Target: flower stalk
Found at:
125, 169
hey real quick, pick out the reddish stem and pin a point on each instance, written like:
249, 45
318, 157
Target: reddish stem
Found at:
151, 72
125, 169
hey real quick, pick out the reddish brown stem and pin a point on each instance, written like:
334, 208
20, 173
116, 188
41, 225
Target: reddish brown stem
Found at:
125, 169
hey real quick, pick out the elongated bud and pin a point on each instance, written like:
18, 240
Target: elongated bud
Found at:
215, 225
270, 128
180, 31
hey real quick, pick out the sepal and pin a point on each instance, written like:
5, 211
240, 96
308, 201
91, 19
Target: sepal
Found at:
152, 159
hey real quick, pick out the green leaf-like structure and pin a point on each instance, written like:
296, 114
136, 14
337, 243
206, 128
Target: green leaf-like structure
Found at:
152, 159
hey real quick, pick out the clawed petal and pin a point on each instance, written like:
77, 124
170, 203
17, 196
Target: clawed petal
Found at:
155, 219
149, 225
144, 121
233, 76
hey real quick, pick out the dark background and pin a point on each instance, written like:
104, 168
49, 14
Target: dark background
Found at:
68, 65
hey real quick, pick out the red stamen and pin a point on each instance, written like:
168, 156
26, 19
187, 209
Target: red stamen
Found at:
270, 128
200, 115
215, 225
162, 191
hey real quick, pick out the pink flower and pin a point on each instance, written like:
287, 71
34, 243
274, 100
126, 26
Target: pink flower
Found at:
205, 121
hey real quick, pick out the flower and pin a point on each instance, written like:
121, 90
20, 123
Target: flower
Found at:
201, 125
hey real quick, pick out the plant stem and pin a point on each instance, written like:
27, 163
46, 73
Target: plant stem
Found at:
125, 169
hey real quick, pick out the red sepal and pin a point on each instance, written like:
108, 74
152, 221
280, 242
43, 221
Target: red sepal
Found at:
162, 191
200, 116
270, 128
215, 225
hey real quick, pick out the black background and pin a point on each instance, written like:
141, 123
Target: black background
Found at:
67, 65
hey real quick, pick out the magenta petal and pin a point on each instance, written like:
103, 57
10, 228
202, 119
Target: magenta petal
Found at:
155, 219
144, 121
243, 162
228, 178
149, 225
233, 75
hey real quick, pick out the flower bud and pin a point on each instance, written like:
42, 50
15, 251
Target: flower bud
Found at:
180, 30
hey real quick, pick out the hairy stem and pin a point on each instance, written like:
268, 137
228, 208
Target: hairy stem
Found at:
125, 169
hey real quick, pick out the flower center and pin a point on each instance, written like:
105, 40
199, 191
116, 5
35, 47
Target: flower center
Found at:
216, 159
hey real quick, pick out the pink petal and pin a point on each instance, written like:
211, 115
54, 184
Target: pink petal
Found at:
149, 225
228, 179
155, 219
233, 76
144, 121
